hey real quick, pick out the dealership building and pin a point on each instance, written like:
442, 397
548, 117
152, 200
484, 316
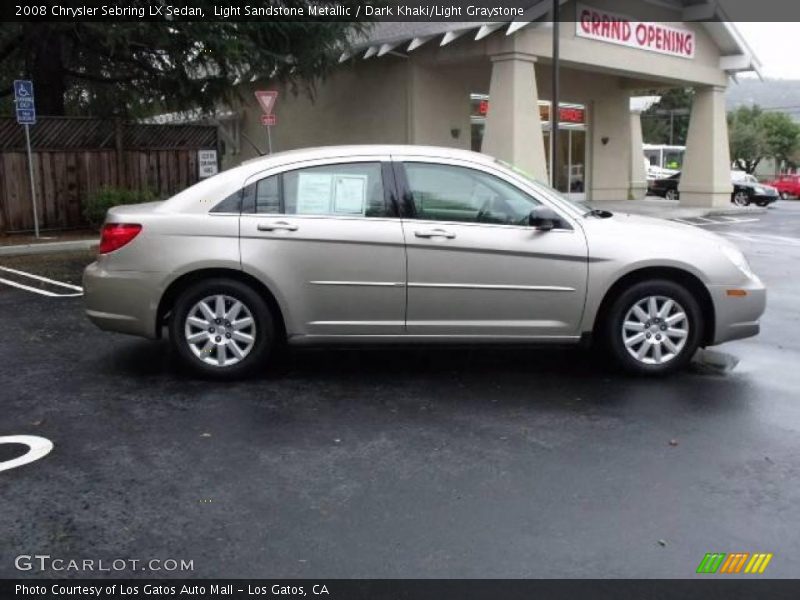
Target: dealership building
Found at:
487, 87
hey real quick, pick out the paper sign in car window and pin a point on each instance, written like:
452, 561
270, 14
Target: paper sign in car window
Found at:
314, 193
349, 194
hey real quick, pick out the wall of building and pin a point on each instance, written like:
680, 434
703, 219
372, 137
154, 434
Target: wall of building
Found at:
439, 109
703, 68
360, 103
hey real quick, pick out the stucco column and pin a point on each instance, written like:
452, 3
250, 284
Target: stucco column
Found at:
513, 129
611, 153
706, 175
638, 189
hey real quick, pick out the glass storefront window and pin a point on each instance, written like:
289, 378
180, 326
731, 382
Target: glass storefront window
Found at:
571, 178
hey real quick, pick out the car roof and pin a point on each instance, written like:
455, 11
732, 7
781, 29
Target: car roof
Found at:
319, 152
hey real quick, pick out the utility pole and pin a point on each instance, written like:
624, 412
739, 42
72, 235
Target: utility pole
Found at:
554, 105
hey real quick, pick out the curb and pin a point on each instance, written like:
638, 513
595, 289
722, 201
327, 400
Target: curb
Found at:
47, 247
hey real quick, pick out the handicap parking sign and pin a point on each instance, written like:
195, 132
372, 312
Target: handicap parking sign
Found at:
23, 96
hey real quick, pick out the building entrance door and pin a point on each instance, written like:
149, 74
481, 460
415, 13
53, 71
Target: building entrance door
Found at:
571, 176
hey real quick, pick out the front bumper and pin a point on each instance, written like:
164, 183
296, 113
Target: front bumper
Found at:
764, 198
736, 316
123, 301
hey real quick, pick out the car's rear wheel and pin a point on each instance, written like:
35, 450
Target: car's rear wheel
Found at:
784, 195
654, 327
222, 328
671, 195
741, 198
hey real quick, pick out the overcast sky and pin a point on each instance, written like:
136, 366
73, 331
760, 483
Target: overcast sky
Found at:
777, 46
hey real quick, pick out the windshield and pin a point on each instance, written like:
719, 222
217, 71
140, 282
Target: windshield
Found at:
578, 205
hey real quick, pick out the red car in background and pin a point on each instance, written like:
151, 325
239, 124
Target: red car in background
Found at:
787, 185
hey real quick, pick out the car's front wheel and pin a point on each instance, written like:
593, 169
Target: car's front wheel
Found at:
784, 195
222, 328
741, 198
671, 194
654, 327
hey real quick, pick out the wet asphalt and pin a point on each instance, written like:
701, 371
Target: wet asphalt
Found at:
403, 463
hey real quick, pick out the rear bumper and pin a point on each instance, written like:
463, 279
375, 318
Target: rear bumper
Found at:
737, 316
122, 301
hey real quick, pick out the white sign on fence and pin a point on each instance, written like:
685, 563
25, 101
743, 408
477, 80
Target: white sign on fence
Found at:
206, 163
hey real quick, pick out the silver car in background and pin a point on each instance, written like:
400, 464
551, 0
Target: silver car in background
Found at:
388, 244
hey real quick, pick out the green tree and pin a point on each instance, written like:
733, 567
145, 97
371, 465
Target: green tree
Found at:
747, 137
781, 136
667, 121
138, 68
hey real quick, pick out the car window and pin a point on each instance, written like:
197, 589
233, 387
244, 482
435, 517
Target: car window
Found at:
453, 193
231, 204
342, 189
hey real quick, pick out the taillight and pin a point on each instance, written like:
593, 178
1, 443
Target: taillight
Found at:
116, 235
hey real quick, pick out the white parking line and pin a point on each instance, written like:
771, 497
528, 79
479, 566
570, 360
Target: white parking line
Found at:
732, 222
38, 447
761, 238
28, 288
727, 221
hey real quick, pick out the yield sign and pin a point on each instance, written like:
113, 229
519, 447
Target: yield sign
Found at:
266, 98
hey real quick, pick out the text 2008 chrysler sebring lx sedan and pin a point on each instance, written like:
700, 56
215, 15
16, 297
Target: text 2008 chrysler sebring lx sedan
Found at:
398, 244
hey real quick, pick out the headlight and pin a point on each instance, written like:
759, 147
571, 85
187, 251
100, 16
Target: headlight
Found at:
738, 259
760, 190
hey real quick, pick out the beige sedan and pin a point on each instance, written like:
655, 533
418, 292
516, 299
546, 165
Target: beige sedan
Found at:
401, 244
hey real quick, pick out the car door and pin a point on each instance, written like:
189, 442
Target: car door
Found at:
475, 266
326, 238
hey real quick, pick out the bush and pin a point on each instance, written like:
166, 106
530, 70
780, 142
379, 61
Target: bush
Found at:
98, 203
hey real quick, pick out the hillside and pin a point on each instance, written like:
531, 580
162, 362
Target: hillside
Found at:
781, 94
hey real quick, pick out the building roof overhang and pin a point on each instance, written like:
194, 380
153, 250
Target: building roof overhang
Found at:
402, 38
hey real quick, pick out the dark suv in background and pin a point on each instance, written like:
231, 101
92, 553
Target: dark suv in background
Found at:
746, 189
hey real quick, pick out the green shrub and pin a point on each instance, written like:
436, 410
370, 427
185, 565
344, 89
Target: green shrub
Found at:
98, 203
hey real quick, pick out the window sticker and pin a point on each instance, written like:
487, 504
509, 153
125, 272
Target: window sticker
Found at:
314, 193
349, 194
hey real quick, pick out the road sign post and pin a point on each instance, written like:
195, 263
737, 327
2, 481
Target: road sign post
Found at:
26, 116
267, 98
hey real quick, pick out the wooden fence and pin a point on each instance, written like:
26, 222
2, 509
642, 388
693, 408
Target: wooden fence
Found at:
74, 157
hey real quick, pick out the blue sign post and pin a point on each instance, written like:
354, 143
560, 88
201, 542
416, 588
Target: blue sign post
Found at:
26, 115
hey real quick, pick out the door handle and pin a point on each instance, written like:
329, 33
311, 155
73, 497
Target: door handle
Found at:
277, 225
429, 233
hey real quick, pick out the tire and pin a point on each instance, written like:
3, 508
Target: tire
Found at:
225, 352
784, 195
671, 195
740, 199
762, 203
669, 352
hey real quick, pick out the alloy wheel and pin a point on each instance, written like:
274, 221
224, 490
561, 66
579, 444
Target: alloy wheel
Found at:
655, 330
220, 330
741, 199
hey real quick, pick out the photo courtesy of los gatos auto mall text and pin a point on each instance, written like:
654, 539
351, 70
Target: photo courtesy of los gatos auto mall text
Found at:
368, 300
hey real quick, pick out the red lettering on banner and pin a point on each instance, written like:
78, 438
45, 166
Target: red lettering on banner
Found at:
618, 29
586, 21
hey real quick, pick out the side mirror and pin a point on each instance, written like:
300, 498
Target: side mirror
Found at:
543, 218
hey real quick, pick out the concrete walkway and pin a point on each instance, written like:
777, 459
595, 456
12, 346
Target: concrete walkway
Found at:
671, 209
47, 247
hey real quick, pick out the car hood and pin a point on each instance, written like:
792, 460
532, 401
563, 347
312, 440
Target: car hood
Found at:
751, 185
649, 229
